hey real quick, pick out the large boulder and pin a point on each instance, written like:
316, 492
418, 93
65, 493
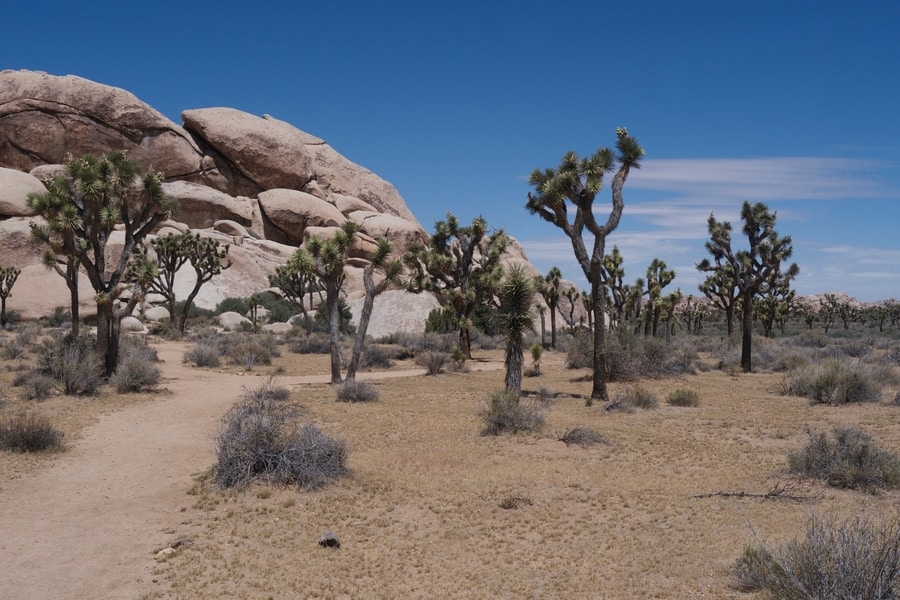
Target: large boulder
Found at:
14, 189
291, 212
396, 311
17, 247
270, 153
43, 117
201, 206
341, 176
401, 232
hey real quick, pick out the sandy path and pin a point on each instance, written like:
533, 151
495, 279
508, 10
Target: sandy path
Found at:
86, 525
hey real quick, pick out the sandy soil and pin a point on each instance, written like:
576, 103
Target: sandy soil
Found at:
88, 523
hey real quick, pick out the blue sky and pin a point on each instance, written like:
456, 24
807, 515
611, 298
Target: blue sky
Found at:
794, 104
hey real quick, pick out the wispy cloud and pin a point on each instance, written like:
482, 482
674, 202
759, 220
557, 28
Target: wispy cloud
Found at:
669, 201
763, 179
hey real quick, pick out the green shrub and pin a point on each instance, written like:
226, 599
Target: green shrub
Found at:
260, 439
507, 413
848, 459
857, 558
683, 397
238, 305
29, 433
356, 391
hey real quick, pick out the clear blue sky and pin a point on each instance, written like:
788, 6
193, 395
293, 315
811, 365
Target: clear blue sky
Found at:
795, 104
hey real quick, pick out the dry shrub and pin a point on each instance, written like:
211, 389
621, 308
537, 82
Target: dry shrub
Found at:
29, 433
507, 413
583, 436
683, 397
848, 459
70, 362
836, 382
314, 343
203, 355
857, 558
136, 371
630, 398
356, 391
35, 386
260, 439
433, 361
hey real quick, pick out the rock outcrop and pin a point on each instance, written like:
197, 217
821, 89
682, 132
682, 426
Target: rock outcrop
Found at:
257, 183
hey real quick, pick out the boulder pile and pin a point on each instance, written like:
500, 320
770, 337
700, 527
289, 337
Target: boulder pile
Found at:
257, 183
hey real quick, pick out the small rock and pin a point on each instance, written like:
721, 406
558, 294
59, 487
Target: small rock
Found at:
165, 553
329, 540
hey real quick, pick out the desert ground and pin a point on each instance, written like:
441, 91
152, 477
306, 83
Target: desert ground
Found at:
431, 508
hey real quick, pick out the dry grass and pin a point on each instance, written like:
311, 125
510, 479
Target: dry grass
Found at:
423, 514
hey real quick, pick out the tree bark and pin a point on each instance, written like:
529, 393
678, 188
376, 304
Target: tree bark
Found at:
332, 298
746, 332
598, 302
553, 327
108, 329
514, 360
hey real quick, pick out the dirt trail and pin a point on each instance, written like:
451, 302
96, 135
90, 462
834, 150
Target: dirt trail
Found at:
86, 525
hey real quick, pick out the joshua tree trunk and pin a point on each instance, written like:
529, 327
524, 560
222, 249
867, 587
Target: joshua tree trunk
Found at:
746, 333
332, 298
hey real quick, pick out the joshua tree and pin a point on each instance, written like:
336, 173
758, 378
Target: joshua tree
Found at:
390, 271
755, 269
296, 286
82, 211
171, 252
548, 287
516, 296
324, 260
659, 275
461, 266
577, 182
613, 278
775, 301
573, 297
8, 276
720, 287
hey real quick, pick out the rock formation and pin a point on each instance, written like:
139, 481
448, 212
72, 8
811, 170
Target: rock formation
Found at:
257, 183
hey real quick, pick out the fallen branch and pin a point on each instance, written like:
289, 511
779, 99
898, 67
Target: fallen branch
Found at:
781, 491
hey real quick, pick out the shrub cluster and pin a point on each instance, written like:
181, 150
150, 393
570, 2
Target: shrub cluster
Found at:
314, 343
507, 413
835, 382
29, 433
847, 459
856, 558
260, 439
630, 357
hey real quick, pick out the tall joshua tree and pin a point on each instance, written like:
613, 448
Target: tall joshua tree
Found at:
577, 182
390, 271
753, 270
324, 260
82, 210
516, 295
